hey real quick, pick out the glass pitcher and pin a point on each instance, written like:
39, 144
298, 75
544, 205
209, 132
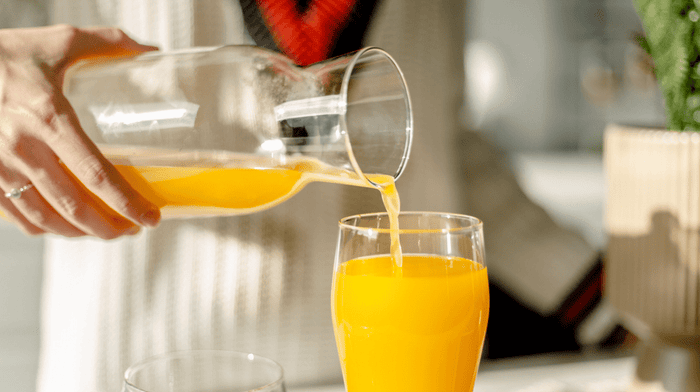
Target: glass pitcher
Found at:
237, 129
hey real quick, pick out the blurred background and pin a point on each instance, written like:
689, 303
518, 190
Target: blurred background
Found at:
543, 78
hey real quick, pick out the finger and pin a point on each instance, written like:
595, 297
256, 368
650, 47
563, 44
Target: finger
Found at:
30, 211
67, 197
10, 212
84, 160
58, 136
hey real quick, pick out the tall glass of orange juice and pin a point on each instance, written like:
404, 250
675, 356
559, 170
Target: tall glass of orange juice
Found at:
416, 325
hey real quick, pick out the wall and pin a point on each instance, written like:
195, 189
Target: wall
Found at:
547, 75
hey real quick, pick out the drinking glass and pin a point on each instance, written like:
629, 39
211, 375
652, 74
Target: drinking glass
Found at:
417, 327
200, 371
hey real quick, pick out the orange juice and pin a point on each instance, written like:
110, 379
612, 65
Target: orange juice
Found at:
420, 330
201, 191
392, 203
199, 184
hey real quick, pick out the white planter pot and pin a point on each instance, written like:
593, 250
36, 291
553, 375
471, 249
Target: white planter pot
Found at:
653, 257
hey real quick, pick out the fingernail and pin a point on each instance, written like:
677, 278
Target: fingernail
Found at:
151, 218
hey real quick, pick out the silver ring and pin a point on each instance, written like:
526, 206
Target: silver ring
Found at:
16, 193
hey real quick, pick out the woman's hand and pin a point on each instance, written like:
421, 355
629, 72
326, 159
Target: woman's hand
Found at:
74, 190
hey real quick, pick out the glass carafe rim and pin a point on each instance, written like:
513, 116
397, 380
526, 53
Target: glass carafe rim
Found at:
409, 110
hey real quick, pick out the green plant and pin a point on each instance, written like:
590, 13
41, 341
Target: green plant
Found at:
673, 40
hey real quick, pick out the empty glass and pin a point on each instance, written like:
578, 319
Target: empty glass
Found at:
205, 371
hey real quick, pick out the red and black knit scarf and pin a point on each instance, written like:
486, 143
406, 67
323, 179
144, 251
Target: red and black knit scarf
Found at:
308, 31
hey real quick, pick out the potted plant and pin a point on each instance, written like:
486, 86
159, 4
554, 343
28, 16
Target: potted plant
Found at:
653, 207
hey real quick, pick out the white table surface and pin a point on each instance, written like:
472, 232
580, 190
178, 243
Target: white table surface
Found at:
601, 375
